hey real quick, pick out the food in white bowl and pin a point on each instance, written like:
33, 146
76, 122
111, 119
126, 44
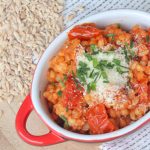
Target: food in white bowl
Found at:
119, 121
99, 80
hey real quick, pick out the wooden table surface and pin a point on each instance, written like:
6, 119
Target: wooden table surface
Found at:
9, 140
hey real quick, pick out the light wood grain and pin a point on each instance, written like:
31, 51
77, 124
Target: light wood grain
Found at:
9, 140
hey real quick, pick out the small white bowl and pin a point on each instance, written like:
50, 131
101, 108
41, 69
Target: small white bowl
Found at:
127, 18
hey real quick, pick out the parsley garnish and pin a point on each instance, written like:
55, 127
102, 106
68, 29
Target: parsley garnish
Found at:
61, 82
91, 73
104, 75
91, 86
94, 49
82, 64
88, 56
126, 55
59, 93
95, 62
110, 65
131, 44
119, 70
82, 71
98, 75
111, 35
116, 61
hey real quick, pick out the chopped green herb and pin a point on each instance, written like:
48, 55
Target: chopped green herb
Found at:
116, 61
131, 44
91, 73
104, 75
126, 55
82, 71
126, 45
81, 75
106, 81
110, 65
132, 53
98, 75
59, 93
103, 62
119, 70
82, 64
95, 52
93, 47
88, 56
61, 82
88, 88
95, 62
147, 38
123, 66
65, 120
91, 86
111, 35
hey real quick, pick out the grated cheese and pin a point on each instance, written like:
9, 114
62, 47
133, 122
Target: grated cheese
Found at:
106, 92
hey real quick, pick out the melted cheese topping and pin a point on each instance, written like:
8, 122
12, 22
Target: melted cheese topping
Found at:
106, 92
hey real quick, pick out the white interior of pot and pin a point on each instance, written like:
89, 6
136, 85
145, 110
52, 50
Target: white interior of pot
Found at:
127, 19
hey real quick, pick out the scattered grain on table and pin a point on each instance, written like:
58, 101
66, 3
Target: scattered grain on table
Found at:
26, 29
1, 113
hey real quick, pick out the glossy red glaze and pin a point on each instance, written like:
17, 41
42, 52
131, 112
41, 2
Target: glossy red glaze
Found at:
21, 119
84, 32
73, 93
98, 120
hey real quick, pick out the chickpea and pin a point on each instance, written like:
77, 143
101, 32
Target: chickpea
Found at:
60, 59
133, 65
147, 70
122, 122
142, 50
135, 101
51, 75
124, 112
140, 76
132, 115
76, 113
112, 113
139, 68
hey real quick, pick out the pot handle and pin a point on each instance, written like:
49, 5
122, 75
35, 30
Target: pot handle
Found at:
21, 119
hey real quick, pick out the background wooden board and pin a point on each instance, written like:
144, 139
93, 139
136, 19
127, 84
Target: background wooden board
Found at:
9, 140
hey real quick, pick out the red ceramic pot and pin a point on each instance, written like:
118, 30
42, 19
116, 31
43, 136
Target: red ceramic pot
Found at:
35, 101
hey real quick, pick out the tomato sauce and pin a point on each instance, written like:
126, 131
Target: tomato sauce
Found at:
73, 93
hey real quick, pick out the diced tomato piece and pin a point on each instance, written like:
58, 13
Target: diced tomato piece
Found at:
73, 93
84, 31
98, 120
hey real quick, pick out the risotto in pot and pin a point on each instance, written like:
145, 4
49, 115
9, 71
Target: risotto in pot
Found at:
99, 81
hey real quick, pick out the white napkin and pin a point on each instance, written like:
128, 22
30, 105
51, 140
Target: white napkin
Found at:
139, 140
76, 10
